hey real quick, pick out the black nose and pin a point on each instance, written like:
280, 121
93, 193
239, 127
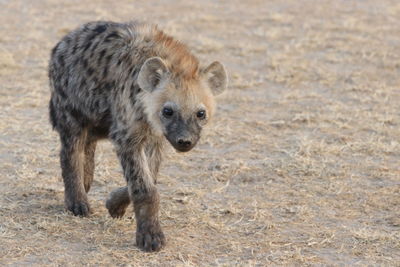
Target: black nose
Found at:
184, 143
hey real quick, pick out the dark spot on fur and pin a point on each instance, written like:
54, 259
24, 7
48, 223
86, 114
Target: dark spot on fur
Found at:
59, 89
96, 104
61, 60
108, 86
104, 88
76, 61
74, 49
90, 71
103, 126
87, 46
136, 192
113, 136
85, 63
78, 116
86, 28
105, 71
83, 84
132, 93
100, 28
118, 136
135, 89
108, 59
98, 90
132, 69
101, 55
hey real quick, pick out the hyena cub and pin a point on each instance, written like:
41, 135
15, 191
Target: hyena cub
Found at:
137, 86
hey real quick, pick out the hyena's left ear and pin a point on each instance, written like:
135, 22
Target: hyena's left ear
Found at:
216, 77
153, 74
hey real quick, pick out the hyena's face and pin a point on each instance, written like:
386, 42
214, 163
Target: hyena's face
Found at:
183, 115
179, 109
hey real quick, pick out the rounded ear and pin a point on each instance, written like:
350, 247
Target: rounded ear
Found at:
216, 77
152, 74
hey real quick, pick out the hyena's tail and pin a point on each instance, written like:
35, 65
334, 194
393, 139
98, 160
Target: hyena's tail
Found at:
52, 111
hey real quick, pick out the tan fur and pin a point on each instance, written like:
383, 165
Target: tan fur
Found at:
178, 57
180, 61
190, 97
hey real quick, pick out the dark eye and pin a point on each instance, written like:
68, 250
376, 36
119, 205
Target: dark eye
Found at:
201, 114
167, 112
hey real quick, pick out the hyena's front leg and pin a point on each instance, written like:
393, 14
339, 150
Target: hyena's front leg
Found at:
119, 199
143, 194
72, 158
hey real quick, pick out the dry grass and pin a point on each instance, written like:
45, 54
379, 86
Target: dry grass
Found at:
300, 167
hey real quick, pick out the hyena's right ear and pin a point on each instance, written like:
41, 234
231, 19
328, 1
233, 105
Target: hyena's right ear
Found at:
216, 77
153, 74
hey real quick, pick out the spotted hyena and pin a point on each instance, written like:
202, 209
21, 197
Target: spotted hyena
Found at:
137, 86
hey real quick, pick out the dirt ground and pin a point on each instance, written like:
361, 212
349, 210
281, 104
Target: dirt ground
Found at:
299, 167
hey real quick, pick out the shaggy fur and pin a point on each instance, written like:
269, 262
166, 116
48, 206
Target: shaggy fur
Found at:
138, 87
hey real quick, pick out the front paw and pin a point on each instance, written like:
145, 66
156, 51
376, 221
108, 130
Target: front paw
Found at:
149, 236
78, 208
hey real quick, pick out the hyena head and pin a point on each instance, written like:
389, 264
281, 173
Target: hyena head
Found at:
178, 106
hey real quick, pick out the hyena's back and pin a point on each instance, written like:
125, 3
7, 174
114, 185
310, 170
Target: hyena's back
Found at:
89, 65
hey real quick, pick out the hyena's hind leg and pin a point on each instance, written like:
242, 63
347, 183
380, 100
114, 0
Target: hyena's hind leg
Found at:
72, 164
90, 149
118, 202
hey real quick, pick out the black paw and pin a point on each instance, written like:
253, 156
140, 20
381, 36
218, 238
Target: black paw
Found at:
79, 208
149, 237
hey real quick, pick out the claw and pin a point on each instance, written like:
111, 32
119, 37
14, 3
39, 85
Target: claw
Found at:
79, 209
150, 238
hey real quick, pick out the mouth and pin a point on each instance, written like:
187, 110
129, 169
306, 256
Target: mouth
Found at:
182, 149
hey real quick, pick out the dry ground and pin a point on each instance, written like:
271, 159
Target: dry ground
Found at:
301, 164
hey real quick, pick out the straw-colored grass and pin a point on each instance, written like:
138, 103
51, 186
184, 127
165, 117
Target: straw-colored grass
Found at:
300, 166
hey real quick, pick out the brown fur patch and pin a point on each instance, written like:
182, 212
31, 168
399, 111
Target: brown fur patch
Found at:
181, 62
